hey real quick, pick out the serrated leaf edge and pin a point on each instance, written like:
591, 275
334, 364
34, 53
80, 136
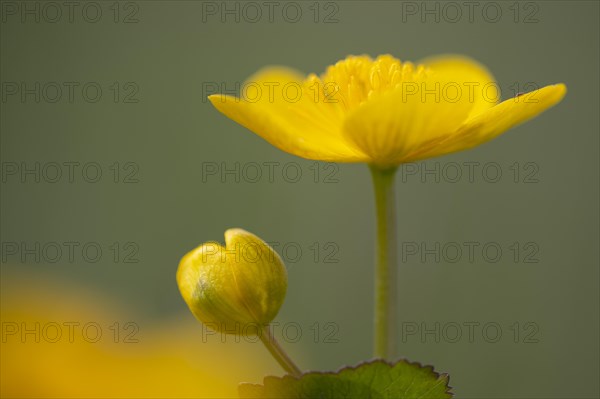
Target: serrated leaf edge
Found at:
429, 368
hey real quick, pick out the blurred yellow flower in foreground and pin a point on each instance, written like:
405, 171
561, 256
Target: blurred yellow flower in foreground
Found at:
61, 341
383, 112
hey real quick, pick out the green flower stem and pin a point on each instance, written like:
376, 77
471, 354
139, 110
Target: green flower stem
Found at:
387, 262
278, 353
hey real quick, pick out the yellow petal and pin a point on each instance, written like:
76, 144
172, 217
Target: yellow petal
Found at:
277, 105
475, 80
495, 121
391, 125
267, 85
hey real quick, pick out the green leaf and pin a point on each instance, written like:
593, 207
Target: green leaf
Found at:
372, 380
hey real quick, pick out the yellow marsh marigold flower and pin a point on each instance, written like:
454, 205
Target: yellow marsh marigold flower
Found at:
383, 112
236, 289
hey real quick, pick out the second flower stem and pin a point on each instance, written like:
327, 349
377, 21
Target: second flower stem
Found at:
386, 262
267, 337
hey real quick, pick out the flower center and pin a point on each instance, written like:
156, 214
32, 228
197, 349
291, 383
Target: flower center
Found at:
356, 79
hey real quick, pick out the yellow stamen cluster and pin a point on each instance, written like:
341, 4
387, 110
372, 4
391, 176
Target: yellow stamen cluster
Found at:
356, 79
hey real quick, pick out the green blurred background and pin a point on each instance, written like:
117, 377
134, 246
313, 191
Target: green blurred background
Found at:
153, 61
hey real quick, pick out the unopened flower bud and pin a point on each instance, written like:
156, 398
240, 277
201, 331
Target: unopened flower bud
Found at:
235, 289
